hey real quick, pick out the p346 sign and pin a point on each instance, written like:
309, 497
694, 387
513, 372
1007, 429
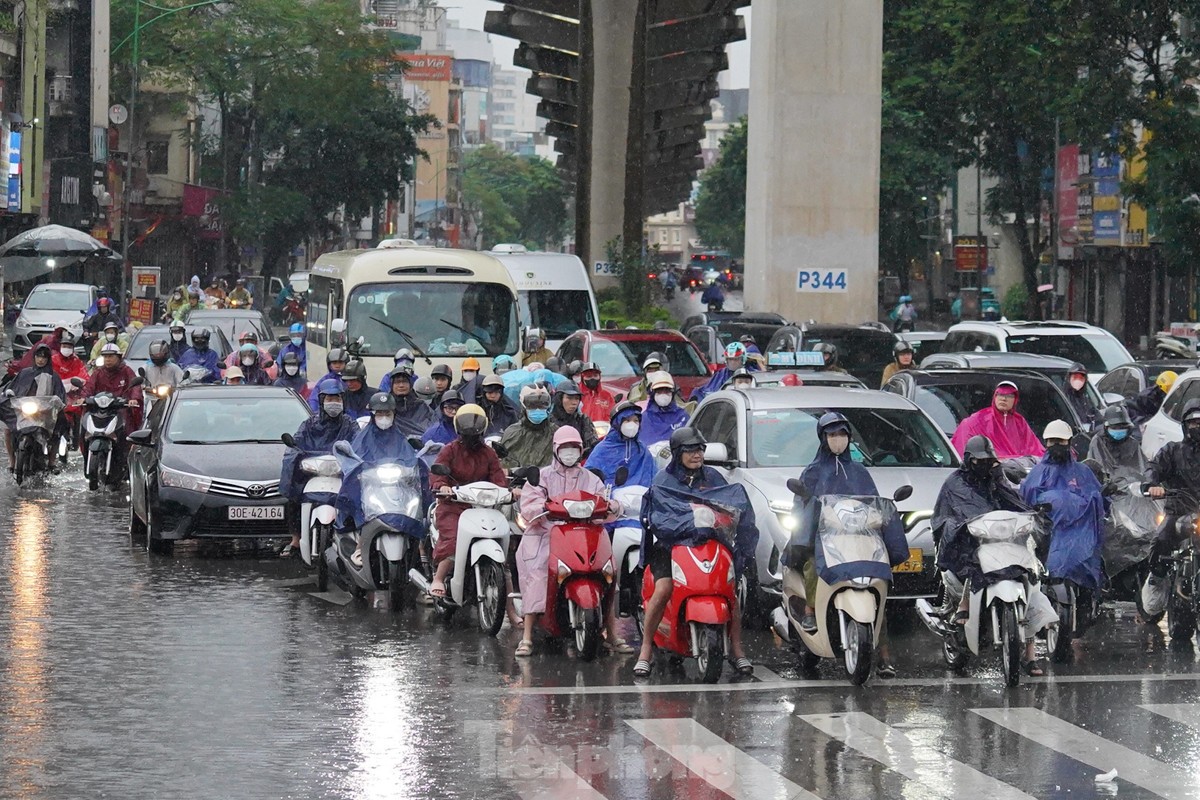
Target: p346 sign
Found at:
819, 280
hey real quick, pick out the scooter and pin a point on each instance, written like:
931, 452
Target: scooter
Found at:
627, 549
1183, 577
104, 437
1008, 602
390, 536
317, 513
581, 570
850, 610
36, 418
696, 620
480, 555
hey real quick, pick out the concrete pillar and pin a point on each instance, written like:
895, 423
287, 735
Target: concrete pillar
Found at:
812, 195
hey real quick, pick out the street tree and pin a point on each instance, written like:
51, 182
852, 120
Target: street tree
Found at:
515, 198
721, 202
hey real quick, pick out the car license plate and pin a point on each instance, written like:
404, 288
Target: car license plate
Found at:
256, 512
915, 563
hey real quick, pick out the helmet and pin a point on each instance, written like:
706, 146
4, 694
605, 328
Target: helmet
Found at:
471, 420
1057, 430
451, 396
901, 347
248, 347
102, 291
355, 370
402, 372
160, 351
103, 302
1166, 380
589, 366
553, 363
381, 401
653, 358
66, 337
660, 380
743, 373
337, 354
297, 329
424, 387
110, 349
241, 281
791, 379
979, 448
471, 362
622, 408
403, 354
176, 325
291, 358
201, 335
248, 336
441, 371
331, 386
735, 350
503, 362
1077, 369
1006, 387
830, 421
493, 382
1117, 417
574, 367
567, 435
110, 325
1191, 411
534, 397
828, 350
234, 372
568, 388
685, 438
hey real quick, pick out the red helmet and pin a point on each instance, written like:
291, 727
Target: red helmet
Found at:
791, 380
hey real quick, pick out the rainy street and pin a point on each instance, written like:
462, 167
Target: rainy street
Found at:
224, 675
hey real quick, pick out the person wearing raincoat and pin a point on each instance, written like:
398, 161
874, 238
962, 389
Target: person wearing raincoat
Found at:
201, 355
501, 412
38, 380
1077, 395
292, 377
668, 520
735, 359
403, 358
413, 415
297, 345
565, 474
621, 447
654, 363
443, 431
662, 415
530, 442
1118, 447
834, 471
315, 436
565, 410
1004, 427
175, 304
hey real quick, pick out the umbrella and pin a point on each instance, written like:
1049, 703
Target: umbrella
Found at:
39, 251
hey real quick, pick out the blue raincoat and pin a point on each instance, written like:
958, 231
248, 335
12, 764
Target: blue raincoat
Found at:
721, 377
615, 450
301, 353
206, 358
372, 447
356, 402
314, 398
517, 379
667, 512
314, 437
297, 383
658, 423
441, 431
413, 415
1077, 513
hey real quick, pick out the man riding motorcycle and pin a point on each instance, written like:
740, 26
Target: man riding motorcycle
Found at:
403, 358
687, 474
622, 447
116, 377
1077, 396
735, 359
67, 364
112, 335
105, 313
413, 415
444, 431
829, 354
1118, 446
598, 402
177, 340
253, 372
39, 379
358, 393
653, 364
662, 415
501, 412
530, 442
1176, 467
291, 376
201, 355
296, 345
240, 296
335, 362
161, 371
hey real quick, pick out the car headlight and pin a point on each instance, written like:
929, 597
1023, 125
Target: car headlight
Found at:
911, 518
787, 520
183, 480
22, 321
677, 573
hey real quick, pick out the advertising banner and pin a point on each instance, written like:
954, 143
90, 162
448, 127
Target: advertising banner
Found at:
969, 254
200, 203
1068, 200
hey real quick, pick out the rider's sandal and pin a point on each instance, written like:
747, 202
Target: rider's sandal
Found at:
619, 646
961, 617
885, 670
1032, 668
742, 665
641, 669
289, 550
438, 589
525, 648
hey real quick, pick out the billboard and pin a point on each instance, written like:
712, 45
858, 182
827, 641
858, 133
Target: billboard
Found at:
1067, 201
427, 89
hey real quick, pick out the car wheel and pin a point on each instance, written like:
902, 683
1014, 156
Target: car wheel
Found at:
137, 528
154, 541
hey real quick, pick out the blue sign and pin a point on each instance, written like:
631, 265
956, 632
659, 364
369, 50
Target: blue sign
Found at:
14, 171
796, 358
819, 280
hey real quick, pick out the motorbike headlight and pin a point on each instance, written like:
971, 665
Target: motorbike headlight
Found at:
580, 509
163, 390
103, 400
29, 408
183, 480
787, 520
325, 466
677, 573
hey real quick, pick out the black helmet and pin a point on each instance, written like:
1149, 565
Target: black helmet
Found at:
555, 364
569, 389
403, 371
828, 350
291, 358
337, 354
901, 347
685, 439
450, 396
621, 408
1077, 369
830, 420
979, 448
1116, 416
66, 338
160, 351
1191, 411
381, 401
355, 370
201, 335
441, 371
589, 366
574, 368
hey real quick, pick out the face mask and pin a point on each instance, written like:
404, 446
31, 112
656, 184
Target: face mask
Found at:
982, 469
569, 456
663, 399
469, 375
837, 442
178, 337
67, 352
591, 383
630, 428
247, 361
333, 407
297, 341
291, 369
1077, 383
1193, 433
1059, 453
112, 337
384, 421
537, 415
742, 384
1118, 434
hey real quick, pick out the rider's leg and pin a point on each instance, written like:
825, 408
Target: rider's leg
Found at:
654, 614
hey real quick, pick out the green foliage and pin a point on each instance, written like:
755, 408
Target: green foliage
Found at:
721, 203
613, 308
516, 199
1016, 301
631, 269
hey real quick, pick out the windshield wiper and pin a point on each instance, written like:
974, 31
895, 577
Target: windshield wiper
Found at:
190, 441
249, 441
920, 448
411, 341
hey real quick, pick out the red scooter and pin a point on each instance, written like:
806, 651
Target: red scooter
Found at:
581, 570
696, 620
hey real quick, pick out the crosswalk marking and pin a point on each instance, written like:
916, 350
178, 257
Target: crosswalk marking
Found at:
534, 774
1095, 751
1185, 713
725, 767
896, 750
567, 786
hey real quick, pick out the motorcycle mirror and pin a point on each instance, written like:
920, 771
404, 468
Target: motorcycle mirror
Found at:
415, 442
622, 475
533, 476
288, 439
137, 381
596, 471
343, 448
77, 382
142, 372
268, 364
1043, 508
902, 493
619, 397
500, 449
440, 470
797, 487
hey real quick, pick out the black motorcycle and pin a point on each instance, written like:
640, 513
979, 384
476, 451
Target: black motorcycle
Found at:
34, 434
104, 438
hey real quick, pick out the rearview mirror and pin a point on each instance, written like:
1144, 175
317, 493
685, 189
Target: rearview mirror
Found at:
288, 439
622, 475
343, 448
440, 469
797, 487
142, 372
500, 449
532, 475
716, 453
618, 398
137, 381
77, 382
597, 472
143, 438
903, 493
1112, 398
415, 442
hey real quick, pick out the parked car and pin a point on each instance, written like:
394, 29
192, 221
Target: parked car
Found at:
620, 354
206, 465
232, 321
1095, 348
1128, 380
769, 435
1164, 426
1056, 369
863, 350
47, 305
924, 343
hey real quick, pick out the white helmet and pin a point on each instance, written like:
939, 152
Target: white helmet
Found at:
1057, 430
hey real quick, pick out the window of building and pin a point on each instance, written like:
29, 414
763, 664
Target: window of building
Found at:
156, 156
675, 236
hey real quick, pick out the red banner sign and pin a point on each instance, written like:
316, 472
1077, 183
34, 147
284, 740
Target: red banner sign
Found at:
427, 67
201, 202
141, 310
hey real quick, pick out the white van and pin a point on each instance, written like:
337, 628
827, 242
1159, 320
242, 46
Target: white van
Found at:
554, 292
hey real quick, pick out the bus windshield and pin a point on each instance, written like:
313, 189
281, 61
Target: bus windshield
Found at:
558, 312
434, 318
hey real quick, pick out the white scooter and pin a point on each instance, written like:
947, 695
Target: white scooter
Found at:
849, 613
1013, 604
627, 549
317, 509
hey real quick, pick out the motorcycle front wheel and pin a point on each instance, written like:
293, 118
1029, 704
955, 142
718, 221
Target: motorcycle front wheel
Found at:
324, 535
397, 578
1010, 645
710, 656
24, 460
858, 651
587, 635
492, 596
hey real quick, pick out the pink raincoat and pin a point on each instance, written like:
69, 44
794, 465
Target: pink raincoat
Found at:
1010, 433
533, 554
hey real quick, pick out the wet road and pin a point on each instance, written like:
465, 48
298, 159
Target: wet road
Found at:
225, 676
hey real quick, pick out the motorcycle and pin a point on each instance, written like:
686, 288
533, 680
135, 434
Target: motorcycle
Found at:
480, 555
73, 415
627, 548
317, 513
36, 419
390, 536
1183, 575
1167, 345
850, 609
104, 437
1012, 603
581, 570
696, 620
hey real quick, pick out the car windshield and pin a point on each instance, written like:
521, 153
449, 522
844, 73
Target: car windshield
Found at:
862, 353
559, 313
232, 327
139, 348
880, 437
225, 420
623, 359
1096, 353
950, 402
435, 318
76, 300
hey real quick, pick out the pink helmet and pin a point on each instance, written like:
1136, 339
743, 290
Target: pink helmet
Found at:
566, 435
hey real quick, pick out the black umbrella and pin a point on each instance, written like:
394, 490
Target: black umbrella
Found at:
39, 251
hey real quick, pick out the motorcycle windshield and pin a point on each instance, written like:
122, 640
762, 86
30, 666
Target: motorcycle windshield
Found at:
391, 489
1006, 539
1130, 530
850, 529
37, 412
630, 498
720, 521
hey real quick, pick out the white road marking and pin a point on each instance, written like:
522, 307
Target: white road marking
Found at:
896, 750
533, 771
335, 597
1097, 752
725, 767
765, 675
1185, 713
